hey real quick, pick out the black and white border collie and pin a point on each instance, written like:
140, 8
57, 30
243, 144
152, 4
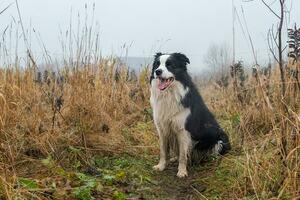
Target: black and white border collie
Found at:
185, 126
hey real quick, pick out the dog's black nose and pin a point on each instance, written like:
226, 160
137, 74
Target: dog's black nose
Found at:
158, 72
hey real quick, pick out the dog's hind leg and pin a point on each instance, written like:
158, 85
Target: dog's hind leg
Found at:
184, 142
163, 145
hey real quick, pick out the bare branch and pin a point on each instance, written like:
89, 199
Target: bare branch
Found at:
270, 45
24, 36
249, 36
284, 48
5, 8
271, 9
274, 37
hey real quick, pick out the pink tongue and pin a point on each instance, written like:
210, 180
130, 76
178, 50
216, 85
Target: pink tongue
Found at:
163, 85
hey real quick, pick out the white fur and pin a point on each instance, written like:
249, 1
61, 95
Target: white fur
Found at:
218, 147
165, 72
170, 117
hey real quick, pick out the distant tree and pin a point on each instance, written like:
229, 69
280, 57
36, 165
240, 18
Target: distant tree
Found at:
218, 60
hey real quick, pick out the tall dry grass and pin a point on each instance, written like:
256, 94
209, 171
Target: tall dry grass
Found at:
256, 117
93, 107
86, 108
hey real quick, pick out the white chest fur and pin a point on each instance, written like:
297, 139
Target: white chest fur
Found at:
168, 111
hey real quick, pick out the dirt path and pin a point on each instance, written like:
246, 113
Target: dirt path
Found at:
211, 180
204, 182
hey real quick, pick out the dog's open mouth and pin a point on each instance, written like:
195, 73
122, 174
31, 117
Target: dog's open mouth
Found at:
164, 83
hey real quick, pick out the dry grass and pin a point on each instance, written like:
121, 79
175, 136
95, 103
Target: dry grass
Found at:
98, 109
88, 108
256, 124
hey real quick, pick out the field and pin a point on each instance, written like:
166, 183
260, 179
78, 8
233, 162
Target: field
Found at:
87, 133
84, 129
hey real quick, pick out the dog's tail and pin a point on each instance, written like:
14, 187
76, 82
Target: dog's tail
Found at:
223, 145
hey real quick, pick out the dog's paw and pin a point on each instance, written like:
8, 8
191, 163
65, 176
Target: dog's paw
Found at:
159, 167
182, 173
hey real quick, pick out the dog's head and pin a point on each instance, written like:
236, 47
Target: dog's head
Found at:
167, 68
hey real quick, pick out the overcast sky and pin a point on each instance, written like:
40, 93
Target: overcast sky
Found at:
188, 26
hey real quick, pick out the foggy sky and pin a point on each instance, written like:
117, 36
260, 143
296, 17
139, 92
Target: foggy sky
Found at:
188, 26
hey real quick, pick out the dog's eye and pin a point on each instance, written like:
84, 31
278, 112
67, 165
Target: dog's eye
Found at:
168, 63
157, 63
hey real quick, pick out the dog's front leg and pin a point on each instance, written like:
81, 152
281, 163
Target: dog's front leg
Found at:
163, 153
184, 142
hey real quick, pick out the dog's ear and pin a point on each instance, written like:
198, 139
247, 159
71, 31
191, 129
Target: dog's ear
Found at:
182, 58
157, 55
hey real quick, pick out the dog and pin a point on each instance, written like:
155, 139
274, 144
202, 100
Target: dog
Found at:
184, 124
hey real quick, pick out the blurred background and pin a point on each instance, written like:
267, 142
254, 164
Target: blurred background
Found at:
141, 28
